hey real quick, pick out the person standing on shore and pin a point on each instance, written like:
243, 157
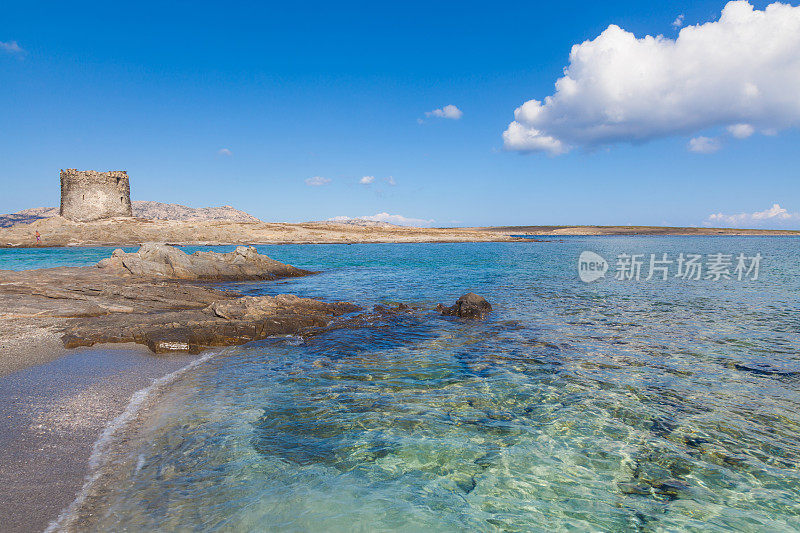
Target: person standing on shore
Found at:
38, 238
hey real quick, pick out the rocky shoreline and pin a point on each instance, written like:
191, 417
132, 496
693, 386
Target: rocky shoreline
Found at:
159, 297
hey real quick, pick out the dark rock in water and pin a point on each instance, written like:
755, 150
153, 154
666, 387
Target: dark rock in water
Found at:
468, 306
765, 369
662, 427
384, 310
488, 460
671, 489
695, 442
500, 415
466, 483
640, 489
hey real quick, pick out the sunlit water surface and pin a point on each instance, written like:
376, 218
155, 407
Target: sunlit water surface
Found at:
616, 406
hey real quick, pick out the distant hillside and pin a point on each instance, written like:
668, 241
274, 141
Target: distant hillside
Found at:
159, 211
27, 216
142, 209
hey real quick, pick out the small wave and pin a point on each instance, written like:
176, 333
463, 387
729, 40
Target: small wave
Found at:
100, 447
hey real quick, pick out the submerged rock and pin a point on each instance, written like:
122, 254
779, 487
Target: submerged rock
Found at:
765, 369
164, 261
468, 306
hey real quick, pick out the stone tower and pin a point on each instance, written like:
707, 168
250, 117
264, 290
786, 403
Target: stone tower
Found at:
90, 195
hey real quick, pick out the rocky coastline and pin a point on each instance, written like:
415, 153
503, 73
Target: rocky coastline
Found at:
164, 299
158, 297
130, 305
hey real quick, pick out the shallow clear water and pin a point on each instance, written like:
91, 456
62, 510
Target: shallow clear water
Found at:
616, 405
30, 258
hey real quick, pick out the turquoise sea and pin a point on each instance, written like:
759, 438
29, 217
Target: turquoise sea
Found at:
606, 406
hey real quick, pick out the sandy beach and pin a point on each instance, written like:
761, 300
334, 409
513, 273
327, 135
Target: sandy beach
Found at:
52, 413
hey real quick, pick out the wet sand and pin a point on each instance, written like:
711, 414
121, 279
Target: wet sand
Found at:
51, 415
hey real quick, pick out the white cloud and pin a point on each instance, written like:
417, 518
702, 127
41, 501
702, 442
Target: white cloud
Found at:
366, 180
12, 47
774, 216
742, 69
398, 220
224, 151
449, 111
678, 22
741, 131
390, 181
317, 181
528, 139
704, 145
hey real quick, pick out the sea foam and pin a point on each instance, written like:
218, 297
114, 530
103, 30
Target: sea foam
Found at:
99, 456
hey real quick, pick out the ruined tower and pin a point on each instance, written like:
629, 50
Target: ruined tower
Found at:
90, 195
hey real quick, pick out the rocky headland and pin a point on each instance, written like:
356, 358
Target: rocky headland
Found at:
159, 297
164, 299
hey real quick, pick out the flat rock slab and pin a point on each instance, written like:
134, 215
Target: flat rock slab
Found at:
223, 323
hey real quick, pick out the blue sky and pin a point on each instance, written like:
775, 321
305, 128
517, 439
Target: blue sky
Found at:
340, 91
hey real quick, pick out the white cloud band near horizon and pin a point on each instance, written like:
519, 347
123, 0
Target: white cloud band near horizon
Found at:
741, 72
775, 217
398, 220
